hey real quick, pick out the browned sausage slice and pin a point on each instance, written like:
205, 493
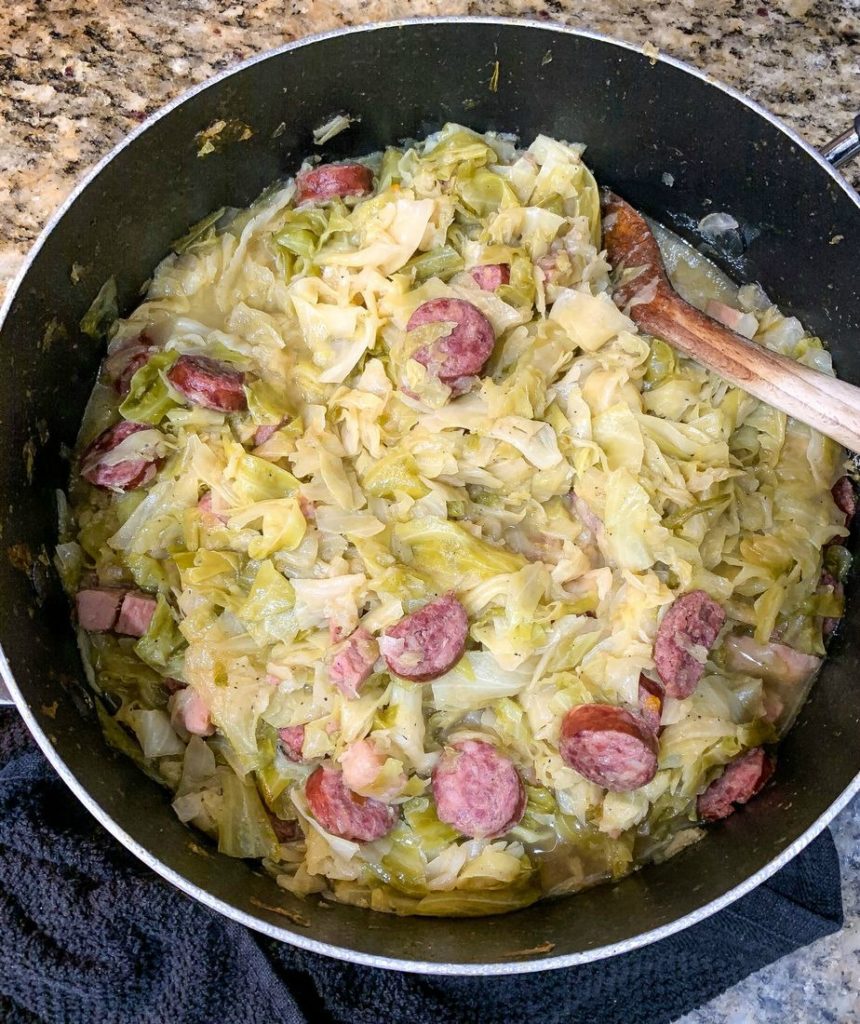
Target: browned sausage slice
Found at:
119, 476
478, 790
352, 665
845, 498
684, 637
829, 582
427, 643
491, 276
330, 180
741, 780
650, 702
265, 432
208, 382
461, 354
291, 739
609, 746
126, 359
344, 813
285, 831
212, 510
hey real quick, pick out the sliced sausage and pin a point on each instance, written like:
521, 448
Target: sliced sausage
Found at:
741, 780
584, 514
491, 276
845, 497
291, 740
478, 790
353, 664
830, 582
609, 746
650, 702
211, 513
330, 180
460, 355
126, 359
684, 637
285, 831
266, 432
98, 608
208, 382
427, 643
135, 613
190, 713
344, 813
118, 476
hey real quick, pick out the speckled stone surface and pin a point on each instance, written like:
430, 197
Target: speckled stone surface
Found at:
76, 76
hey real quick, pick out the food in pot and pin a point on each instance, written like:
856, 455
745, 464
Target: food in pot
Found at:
413, 569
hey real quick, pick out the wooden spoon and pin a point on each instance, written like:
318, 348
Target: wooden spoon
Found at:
825, 403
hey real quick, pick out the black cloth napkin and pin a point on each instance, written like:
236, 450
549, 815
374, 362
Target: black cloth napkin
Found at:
88, 935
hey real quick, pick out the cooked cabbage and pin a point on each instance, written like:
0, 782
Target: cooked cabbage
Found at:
567, 496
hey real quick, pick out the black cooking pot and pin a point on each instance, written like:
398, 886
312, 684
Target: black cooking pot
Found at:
666, 138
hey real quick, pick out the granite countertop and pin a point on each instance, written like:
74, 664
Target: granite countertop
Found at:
74, 78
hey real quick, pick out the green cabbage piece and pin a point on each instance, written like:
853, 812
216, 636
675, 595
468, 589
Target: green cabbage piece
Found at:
103, 311
520, 289
396, 473
122, 740
476, 902
69, 563
269, 611
154, 732
475, 681
456, 148
149, 398
662, 363
837, 561
484, 192
148, 573
298, 240
244, 828
442, 262
269, 404
431, 834
254, 479
120, 671
162, 644
200, 233
450, 555
389, 171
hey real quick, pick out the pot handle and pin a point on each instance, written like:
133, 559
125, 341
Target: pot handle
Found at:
846, 147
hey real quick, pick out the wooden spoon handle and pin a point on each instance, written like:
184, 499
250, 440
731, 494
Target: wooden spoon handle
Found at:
829, 405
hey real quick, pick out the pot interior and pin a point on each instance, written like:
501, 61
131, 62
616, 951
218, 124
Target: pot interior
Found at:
669, 142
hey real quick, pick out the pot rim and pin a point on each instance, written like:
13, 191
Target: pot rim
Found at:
280, 933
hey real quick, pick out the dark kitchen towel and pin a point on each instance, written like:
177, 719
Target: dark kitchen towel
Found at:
90, 936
